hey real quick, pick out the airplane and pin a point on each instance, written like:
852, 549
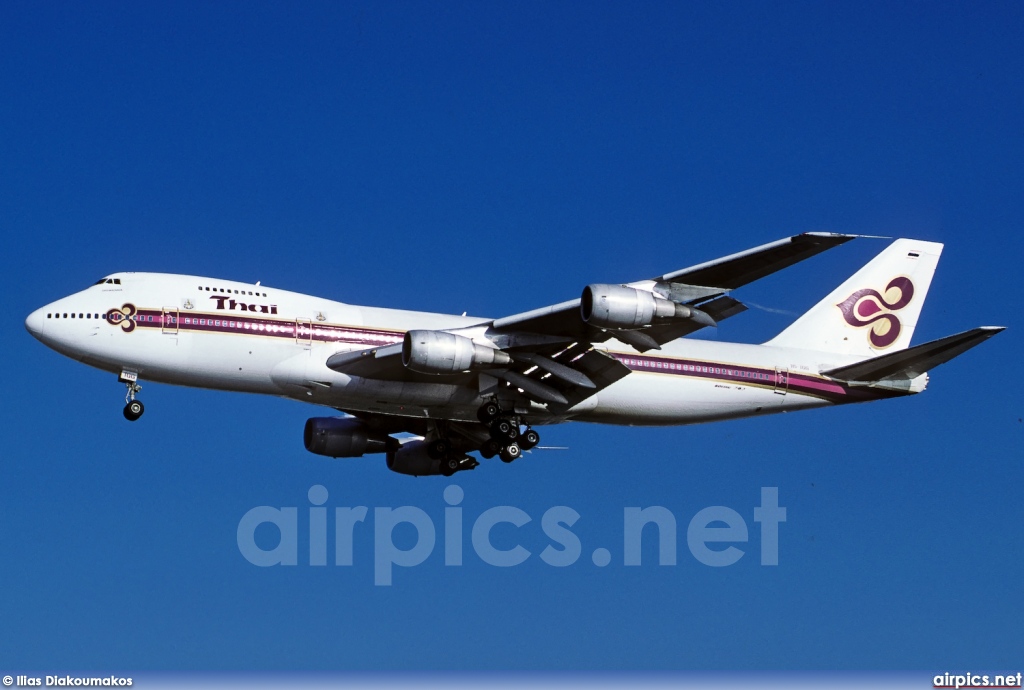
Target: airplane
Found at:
427, 389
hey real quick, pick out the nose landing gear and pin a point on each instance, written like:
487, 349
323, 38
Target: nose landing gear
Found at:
133, 408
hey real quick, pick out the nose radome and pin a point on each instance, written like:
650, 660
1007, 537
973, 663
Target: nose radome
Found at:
36, 321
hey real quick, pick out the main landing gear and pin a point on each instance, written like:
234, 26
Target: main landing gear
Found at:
506, 441
450, 460
133, 408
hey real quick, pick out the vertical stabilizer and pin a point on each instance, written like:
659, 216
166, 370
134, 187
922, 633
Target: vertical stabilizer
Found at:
873, 312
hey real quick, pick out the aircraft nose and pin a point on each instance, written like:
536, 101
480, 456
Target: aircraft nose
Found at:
36, 322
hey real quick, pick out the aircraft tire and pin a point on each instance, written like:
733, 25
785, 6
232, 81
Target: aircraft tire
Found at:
449, 466
504, 431
438, 449
510, 452
488, 412
133, 410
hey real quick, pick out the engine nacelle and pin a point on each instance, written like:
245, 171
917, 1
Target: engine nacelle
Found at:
412, 459
341, 438
437, 352
618, 306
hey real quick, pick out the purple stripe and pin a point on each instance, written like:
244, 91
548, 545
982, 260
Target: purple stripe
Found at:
802, 384
272, 328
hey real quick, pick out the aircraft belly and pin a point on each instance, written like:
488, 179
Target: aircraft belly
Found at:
657, 399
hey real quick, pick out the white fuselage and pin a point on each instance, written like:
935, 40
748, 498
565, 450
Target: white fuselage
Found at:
220, 334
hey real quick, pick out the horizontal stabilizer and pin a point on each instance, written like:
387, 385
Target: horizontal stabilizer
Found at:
914, 361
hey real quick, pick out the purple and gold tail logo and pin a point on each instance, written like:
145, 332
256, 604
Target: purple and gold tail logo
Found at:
123, 317
869, 308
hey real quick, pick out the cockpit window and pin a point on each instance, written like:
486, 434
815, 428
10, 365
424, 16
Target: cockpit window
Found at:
108, 281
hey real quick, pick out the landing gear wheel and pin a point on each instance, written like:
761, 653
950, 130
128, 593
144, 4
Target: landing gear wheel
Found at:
490, 449
133, 410
504, 431
529, 439
438, 449
510, 452
449, 466
487, 412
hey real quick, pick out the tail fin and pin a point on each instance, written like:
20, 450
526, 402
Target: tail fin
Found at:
873, 312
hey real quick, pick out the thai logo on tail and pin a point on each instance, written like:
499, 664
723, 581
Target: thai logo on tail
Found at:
869, 308
123, 317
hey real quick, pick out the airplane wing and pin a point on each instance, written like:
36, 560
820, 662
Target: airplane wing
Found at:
701, 286
550, 355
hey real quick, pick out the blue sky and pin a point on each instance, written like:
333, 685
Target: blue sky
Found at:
491, 159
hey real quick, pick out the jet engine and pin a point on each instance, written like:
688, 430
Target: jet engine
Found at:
413, 459
621, 307
437, 352
342, 438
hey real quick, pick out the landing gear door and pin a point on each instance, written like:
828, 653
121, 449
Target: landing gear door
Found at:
169, 321
781, 380
304, 332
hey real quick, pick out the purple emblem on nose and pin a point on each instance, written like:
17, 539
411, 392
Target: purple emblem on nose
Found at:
123, 317
869, 308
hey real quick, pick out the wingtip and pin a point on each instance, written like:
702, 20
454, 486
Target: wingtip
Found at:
836, 236
845, 237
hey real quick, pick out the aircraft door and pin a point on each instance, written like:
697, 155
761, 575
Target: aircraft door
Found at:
781, 380
304, 332
169, 321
